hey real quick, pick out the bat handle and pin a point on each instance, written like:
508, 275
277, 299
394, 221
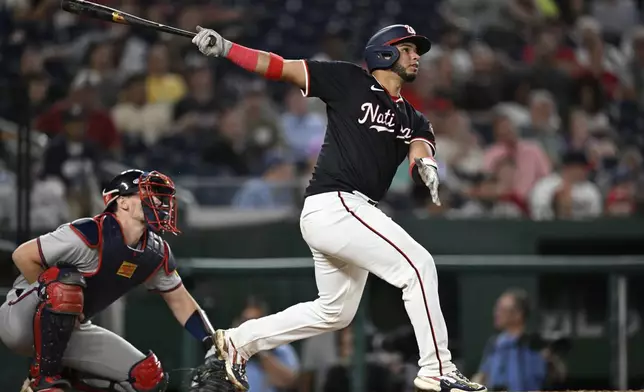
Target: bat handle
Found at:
213, 41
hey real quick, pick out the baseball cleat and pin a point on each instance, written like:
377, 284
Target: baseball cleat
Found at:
26, 386
450, 382
235, 365
45, 384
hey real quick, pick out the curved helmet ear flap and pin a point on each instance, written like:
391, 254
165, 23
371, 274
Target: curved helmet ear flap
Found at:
381, 57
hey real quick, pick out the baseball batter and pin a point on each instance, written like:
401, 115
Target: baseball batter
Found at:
371, 130
73, 273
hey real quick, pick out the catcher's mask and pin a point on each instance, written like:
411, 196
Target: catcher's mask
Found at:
157, 194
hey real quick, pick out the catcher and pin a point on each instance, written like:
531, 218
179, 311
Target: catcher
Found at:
73, 273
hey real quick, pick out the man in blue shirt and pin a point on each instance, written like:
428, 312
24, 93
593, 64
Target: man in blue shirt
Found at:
274, 189
276, 370
514, 360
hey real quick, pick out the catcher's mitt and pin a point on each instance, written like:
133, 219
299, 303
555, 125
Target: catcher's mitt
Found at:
211, 377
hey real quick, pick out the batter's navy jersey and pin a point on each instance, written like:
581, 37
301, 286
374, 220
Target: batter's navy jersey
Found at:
368, 132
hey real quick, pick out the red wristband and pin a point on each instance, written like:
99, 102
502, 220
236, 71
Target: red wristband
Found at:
275, 67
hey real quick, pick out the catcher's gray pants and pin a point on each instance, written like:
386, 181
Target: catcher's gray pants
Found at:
91, 349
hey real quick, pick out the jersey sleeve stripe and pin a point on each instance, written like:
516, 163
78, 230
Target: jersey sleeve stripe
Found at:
169, 290
22, 296
422, 139
43, 261
166, 259
306, 76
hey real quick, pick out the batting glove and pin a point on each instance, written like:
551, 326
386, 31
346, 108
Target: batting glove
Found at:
211, 43
428, 171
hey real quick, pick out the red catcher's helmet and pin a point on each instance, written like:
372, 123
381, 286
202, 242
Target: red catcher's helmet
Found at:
157, 193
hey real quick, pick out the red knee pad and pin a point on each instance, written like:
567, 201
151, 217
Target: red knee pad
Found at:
64, 299
147, 375
62, 290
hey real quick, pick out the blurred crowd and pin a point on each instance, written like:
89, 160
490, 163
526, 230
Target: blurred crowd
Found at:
536, 104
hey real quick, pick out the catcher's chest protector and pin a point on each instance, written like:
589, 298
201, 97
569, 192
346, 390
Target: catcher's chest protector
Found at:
121, 268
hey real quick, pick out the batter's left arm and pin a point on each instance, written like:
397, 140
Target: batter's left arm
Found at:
419, 149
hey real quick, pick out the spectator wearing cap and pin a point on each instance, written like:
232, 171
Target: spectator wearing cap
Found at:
531, 162
71, 158
273, 190
567, 194
100, 127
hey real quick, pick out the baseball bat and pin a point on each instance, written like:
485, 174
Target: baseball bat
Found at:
101, 12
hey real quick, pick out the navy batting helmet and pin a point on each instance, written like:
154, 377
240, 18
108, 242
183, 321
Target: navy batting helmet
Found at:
381, 53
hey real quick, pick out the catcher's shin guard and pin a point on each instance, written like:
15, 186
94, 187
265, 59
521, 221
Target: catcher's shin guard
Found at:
147, 375
61, 296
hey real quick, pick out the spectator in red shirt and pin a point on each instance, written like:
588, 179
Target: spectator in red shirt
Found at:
100, 128
530, 161
621, 199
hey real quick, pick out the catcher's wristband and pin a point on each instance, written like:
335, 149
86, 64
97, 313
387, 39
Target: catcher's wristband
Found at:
199, 326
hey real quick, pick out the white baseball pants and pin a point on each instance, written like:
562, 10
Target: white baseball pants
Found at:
350, 238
